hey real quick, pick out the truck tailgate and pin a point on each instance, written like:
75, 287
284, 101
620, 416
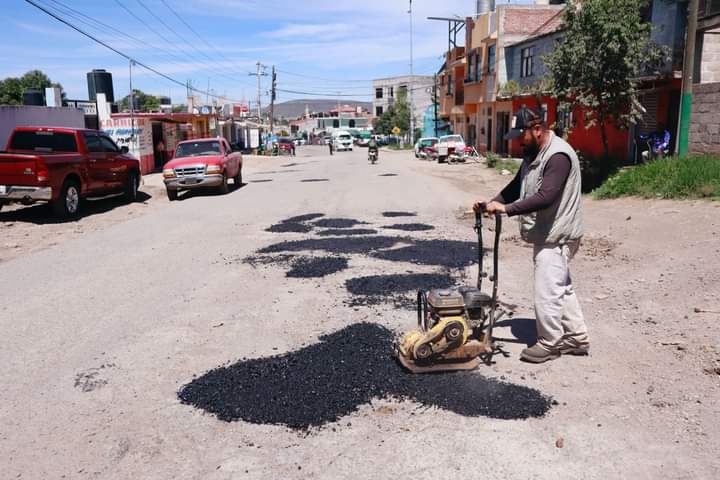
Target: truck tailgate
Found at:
18, 169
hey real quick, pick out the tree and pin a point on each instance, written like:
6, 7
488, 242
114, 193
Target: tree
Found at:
397, 115
606, 48
12, 88
142, 102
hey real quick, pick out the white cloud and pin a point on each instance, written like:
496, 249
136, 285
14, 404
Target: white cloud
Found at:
324, 31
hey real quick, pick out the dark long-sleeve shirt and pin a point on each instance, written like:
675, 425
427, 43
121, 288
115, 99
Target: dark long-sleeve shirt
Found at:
555, 174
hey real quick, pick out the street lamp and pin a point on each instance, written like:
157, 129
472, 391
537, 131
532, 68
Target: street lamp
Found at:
410, 86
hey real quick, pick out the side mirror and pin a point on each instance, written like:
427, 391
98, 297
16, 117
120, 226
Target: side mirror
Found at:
124, 149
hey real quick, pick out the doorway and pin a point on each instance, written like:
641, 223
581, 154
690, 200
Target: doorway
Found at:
158, 141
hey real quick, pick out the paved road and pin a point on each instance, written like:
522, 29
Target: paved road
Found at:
100, 333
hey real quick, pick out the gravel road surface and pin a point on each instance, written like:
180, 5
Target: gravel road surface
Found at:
246, 335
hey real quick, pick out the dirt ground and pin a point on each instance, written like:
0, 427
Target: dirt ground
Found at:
137, 301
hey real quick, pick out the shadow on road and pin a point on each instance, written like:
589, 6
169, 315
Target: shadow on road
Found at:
41, 213
523, 329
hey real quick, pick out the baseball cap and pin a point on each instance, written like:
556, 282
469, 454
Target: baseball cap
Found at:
524, 118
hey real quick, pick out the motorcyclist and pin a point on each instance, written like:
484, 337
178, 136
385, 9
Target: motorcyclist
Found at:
373, 147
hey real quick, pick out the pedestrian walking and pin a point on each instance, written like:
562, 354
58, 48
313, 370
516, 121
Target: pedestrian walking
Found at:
546, 196
330, 144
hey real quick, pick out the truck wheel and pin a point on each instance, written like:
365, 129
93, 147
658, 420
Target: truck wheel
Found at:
68, 203
172, 194
238, 178
223, 188
131, 187
441, 159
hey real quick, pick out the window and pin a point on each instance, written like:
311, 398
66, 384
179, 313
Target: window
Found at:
379, 92
351, 123
563, 119
43, 141
92, 142
713, 7
378, 111
392, 92
108, 145
491, 60
193, 149
526, 61
470, 70
450, 84
478, 66
336, 123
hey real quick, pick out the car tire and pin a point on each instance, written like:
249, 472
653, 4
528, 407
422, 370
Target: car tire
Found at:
172, 194
441, 159
131, 187
67, 205
223, 188
238, 179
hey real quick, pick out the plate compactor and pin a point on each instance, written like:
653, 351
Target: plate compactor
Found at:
455, 325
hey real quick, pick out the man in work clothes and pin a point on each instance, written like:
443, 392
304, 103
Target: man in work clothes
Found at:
546, 196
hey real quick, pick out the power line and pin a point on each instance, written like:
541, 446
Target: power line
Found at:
122, 54
295, 92
323, 79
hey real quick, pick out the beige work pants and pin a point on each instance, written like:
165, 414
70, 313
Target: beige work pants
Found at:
557, 308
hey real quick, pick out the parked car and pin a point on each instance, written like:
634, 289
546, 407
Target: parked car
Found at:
202, 163
342, 140
425, 147
285, 146
63, 166
450, 146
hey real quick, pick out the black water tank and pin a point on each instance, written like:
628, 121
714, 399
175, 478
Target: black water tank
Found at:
33, 96
100, 81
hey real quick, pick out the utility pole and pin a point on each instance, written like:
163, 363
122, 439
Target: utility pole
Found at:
687, 80
132, 106
410, 87
435, 103
260, 73
273, 96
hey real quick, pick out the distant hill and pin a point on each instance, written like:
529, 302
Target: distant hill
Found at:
296, 108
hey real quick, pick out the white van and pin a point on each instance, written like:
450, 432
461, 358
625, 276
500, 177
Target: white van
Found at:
342, 140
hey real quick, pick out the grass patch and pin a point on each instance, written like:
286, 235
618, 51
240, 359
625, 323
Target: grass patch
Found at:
500, 164
691, 177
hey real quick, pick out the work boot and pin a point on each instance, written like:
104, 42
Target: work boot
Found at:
571, 345
539, 353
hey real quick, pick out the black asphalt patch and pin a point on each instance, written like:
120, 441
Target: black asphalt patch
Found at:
290, 165
316, 267
388, 175
398, 214
338, 232
327, 381
445, 253
411, 227
255, 260
398, 289
287, 227
344, 245
261, 181
338, 223
303, 218
308, 180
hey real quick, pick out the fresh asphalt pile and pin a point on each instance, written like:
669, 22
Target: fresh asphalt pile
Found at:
443, 253
287, 227
316, 267
329, 380
338, 223
410, 227
339, 232
400, 289
398, 214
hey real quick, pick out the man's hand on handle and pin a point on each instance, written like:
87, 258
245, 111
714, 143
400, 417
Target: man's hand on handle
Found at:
489, 208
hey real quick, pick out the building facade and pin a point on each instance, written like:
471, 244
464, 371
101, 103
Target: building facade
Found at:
386, 91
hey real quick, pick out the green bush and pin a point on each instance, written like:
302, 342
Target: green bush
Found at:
498, 163
691, 177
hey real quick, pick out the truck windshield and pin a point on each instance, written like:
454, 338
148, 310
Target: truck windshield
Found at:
43, 141
194, 149
344, 137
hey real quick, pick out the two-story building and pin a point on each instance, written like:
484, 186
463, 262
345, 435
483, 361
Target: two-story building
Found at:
705, 120
387, 90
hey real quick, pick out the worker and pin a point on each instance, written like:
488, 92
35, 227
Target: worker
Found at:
330, 144
546, 196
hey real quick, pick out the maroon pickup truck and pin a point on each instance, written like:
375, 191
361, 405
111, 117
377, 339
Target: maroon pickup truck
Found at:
62, 166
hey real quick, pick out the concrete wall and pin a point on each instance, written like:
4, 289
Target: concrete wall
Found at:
543, 46
705, 122
17, 116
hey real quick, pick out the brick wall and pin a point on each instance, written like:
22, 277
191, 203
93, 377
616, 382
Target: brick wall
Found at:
705, 120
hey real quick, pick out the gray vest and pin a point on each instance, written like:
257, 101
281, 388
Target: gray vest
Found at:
562, 221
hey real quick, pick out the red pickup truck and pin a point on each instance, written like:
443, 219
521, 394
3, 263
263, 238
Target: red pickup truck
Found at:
202, 163
62, 166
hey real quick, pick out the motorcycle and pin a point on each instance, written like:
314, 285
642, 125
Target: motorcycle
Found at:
373, 156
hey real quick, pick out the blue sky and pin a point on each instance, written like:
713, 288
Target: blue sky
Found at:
342, 44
